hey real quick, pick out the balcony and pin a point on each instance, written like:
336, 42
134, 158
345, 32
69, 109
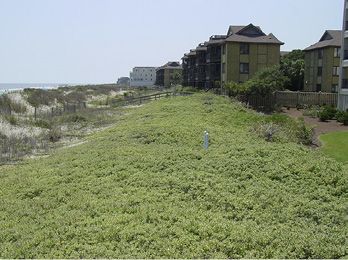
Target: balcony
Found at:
344, 84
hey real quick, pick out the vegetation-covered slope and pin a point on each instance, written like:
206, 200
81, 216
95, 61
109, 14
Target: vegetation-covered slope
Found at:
146, 188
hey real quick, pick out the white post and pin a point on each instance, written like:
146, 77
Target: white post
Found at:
206, 140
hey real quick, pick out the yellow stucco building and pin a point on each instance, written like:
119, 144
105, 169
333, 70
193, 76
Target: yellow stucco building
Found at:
322, 63
247, 50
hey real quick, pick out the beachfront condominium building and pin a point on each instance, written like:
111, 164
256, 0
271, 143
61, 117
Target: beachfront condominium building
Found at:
343, 82
234, 57
142, 76
247, 50
164, 74
322, 63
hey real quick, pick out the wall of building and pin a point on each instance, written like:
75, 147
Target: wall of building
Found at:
143, 76
325, 82
260, 57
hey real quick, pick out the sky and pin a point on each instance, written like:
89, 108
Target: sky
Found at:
98, 41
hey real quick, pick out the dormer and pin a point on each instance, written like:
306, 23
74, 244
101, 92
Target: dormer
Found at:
251, 31
326, 36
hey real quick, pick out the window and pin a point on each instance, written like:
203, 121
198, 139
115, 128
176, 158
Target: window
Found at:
224, 49
223, 67
320, 54
244, 68
337, 52
336, 71
244, 48
320, 71
318, 87
334, 88
170, 71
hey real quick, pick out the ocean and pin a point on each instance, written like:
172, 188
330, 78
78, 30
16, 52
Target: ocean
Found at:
8, 87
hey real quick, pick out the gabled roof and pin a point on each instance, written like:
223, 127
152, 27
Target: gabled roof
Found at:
249, 30
329, 38
171, 65
250, 34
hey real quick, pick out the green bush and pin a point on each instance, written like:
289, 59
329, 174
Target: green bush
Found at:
12, 120
324, 116
43, 123
283, 128
342, 116
331, 111
327, 113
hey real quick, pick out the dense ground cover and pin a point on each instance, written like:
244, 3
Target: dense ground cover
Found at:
146, 188
335, 145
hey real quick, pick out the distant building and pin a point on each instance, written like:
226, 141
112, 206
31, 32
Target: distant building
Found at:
142, 76
123, 81
164, 73
322, 63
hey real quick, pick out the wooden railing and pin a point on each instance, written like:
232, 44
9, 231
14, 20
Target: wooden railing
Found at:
292, 99
149, 98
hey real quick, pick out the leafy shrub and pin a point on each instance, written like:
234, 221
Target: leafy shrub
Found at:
76, 118
282, 128
54, 135
324, 116
312, 111
38, 97
331, 111
327, 113
12, 120
342, 116
43, 123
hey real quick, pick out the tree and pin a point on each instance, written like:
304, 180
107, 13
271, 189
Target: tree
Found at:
176, 78
266, 81
233, 89
293, 66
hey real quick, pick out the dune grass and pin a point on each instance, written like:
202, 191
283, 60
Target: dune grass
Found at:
335, 145
146, 188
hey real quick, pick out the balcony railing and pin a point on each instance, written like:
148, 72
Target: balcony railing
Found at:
345, 57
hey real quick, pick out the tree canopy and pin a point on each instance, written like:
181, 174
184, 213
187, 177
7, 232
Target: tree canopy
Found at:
293, 65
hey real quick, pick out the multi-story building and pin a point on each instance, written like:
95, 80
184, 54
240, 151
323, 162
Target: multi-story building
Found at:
201, 66
185, 70
164, 74
322, 63
343, 78
246, 50
192, 68
142, 76
213, 74
236, 57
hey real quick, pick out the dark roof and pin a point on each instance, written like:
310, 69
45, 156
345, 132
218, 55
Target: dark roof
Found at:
192, 53
171, 65
201, 47
329, 38
250, 34
215, 39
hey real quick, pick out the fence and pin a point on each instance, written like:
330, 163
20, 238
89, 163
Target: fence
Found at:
58, 111
292, 99
143, 99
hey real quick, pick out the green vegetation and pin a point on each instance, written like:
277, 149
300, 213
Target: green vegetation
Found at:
293, 67
146, 188
282, 128
266, 81
335, 145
